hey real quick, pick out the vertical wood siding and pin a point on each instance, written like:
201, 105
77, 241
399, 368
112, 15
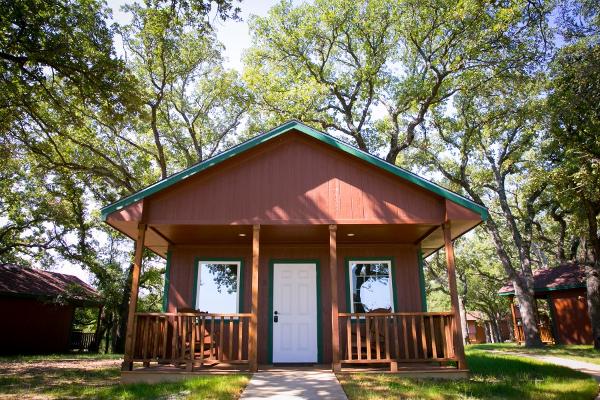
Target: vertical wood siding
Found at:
294, 180
34, 326
406, 275
571, 316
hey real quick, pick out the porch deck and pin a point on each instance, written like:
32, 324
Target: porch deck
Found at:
173, 346
171, 373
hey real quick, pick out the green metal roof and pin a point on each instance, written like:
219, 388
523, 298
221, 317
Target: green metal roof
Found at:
280, 130
546, 289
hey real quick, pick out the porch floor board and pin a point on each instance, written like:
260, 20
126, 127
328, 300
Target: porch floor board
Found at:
170, 373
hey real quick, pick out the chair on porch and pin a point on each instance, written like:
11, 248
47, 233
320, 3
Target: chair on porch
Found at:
205, 344
376, 333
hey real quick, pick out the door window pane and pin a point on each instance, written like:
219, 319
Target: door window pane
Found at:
217, 290
370, 285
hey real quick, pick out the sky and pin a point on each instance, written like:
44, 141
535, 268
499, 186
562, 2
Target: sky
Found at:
235, 37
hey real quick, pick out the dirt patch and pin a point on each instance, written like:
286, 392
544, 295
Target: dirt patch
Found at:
47, 379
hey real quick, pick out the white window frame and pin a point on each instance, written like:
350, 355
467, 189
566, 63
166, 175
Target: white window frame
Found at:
352, 263
199, 283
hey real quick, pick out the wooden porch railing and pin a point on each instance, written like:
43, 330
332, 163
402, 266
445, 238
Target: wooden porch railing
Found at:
190, 339
396, 338
81, 340
545, 334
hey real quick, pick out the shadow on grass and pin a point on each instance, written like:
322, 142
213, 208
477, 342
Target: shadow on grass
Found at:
580, 352
59, 356
492, 376
222, 387
61, 382
49, 380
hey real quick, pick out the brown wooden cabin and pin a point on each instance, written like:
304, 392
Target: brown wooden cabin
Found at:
475, 328
561, 305
38, 309
322, 244
480, 329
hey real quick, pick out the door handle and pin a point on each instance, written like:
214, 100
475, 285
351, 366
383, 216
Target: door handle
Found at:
276, 317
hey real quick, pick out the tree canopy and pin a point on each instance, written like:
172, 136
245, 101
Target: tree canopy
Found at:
498, 101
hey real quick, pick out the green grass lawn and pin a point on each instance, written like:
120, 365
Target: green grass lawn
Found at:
493, 376
575, 352
92, 376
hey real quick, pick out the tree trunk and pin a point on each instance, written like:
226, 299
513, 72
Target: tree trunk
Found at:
511, 331
593, 271
497, 333
107, 341
523, 284
162, 162
488, 332
100, 329
527, 309
593, 302
463, 320
120, 331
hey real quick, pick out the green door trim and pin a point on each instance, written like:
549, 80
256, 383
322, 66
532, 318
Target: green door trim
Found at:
317, 263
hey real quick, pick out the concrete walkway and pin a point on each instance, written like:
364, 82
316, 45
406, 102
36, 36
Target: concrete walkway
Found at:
294, 384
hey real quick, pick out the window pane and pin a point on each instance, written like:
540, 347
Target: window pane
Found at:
370, 287
218, 288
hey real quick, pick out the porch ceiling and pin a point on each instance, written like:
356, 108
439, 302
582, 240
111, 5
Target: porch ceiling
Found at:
435, 240
160, 236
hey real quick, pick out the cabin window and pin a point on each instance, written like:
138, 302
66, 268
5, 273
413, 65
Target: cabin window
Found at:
218, 287
371, 286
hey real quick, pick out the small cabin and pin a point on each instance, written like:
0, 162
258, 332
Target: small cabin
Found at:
39, 306
294, 248
561, 305
481, 330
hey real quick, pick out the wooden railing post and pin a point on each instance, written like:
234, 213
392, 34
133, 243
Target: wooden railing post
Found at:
253, 337
459, 348
135, 281
514, 320
335, 331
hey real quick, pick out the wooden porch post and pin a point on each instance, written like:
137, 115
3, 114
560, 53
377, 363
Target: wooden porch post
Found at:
459, 348
335, 332
514, 319
133, 297
253, 337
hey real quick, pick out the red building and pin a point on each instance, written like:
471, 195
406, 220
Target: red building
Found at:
294, 247
38, 308
481, 329
561, 305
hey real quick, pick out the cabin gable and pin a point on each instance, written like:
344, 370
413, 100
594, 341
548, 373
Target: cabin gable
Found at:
294, 180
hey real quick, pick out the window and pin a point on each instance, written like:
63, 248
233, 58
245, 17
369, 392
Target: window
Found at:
218, 284
370, 286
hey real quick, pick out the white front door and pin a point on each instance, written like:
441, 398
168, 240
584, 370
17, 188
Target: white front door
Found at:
294, 313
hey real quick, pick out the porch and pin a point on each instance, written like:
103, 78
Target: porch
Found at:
190, 343
172, 345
